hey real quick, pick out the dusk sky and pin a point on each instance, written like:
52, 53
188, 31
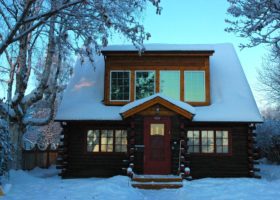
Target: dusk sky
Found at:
200, 22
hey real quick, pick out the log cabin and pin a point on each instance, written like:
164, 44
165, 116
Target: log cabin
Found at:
174, 109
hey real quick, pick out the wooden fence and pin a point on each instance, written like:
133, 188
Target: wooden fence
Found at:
39, 158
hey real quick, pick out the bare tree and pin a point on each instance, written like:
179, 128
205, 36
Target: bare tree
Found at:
87, 24
257, 21
269, 77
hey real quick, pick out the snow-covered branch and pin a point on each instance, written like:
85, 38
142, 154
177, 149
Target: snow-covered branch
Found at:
258, 21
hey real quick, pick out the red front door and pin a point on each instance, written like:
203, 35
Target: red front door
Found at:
157, 158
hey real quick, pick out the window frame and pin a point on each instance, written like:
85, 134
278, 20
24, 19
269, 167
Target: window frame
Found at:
156, 69
200, 153
204, 86
114, 142
110, 86
155, 82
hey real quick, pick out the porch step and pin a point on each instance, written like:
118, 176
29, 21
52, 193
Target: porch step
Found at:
156, 181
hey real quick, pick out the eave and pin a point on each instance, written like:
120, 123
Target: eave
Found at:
156, 99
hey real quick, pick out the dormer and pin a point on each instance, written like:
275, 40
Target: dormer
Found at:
179, 74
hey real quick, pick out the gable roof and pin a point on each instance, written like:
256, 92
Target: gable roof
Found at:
179, 107
231, 96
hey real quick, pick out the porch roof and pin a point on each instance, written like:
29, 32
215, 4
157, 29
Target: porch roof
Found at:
177, 106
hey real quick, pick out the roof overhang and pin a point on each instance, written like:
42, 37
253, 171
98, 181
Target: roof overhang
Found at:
176, 106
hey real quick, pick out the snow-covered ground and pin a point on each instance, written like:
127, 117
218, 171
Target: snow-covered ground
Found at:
41, 184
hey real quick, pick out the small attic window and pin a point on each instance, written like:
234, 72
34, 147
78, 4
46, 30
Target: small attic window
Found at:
119, 85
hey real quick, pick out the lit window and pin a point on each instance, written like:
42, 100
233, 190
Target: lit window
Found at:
93, 140
144, 84
120, 85
170, 84
121, 141
107, 141
207, 141
193, 141
157, 129
222, 141
194, 86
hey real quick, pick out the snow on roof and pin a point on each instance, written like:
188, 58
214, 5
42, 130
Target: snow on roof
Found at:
161, 47
231, 96
185, 106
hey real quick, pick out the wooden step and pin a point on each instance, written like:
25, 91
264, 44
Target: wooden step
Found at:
157, 185
157, 181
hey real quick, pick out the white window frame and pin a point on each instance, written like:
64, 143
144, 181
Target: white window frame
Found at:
129, 85
204, 84
135, 78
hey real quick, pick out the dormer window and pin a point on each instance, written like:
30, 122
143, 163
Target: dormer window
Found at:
120, 86
194, 85
144, 84
170, 83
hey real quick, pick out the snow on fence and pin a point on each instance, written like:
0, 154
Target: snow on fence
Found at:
38, 157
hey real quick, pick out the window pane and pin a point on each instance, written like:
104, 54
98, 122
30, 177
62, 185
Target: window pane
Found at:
110, 148
219, 141
219, 149
194, 86
190, 149
119, 89
144, 84
225, 149
225, 134
170, 84
219, 134
196, 149
157, 129
93, 140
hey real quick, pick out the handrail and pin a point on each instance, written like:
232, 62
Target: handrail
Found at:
180, 154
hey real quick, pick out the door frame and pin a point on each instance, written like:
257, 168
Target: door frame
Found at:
167, 137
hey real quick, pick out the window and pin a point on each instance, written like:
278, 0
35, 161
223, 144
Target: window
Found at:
170, 84
107, 141
157, 129
144, 84
121, 141
120, 86
222, 141
93, 140
208, 141
194, 86
193, 141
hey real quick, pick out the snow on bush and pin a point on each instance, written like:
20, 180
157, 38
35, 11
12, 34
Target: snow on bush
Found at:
268, 140
5, 149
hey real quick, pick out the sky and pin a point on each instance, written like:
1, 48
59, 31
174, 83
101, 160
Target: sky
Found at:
197, 22
200, 22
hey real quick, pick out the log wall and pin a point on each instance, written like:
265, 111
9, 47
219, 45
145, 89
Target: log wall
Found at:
79, 163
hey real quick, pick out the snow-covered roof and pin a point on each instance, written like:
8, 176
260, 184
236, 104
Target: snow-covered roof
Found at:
161, 47
231, 96
185, 106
